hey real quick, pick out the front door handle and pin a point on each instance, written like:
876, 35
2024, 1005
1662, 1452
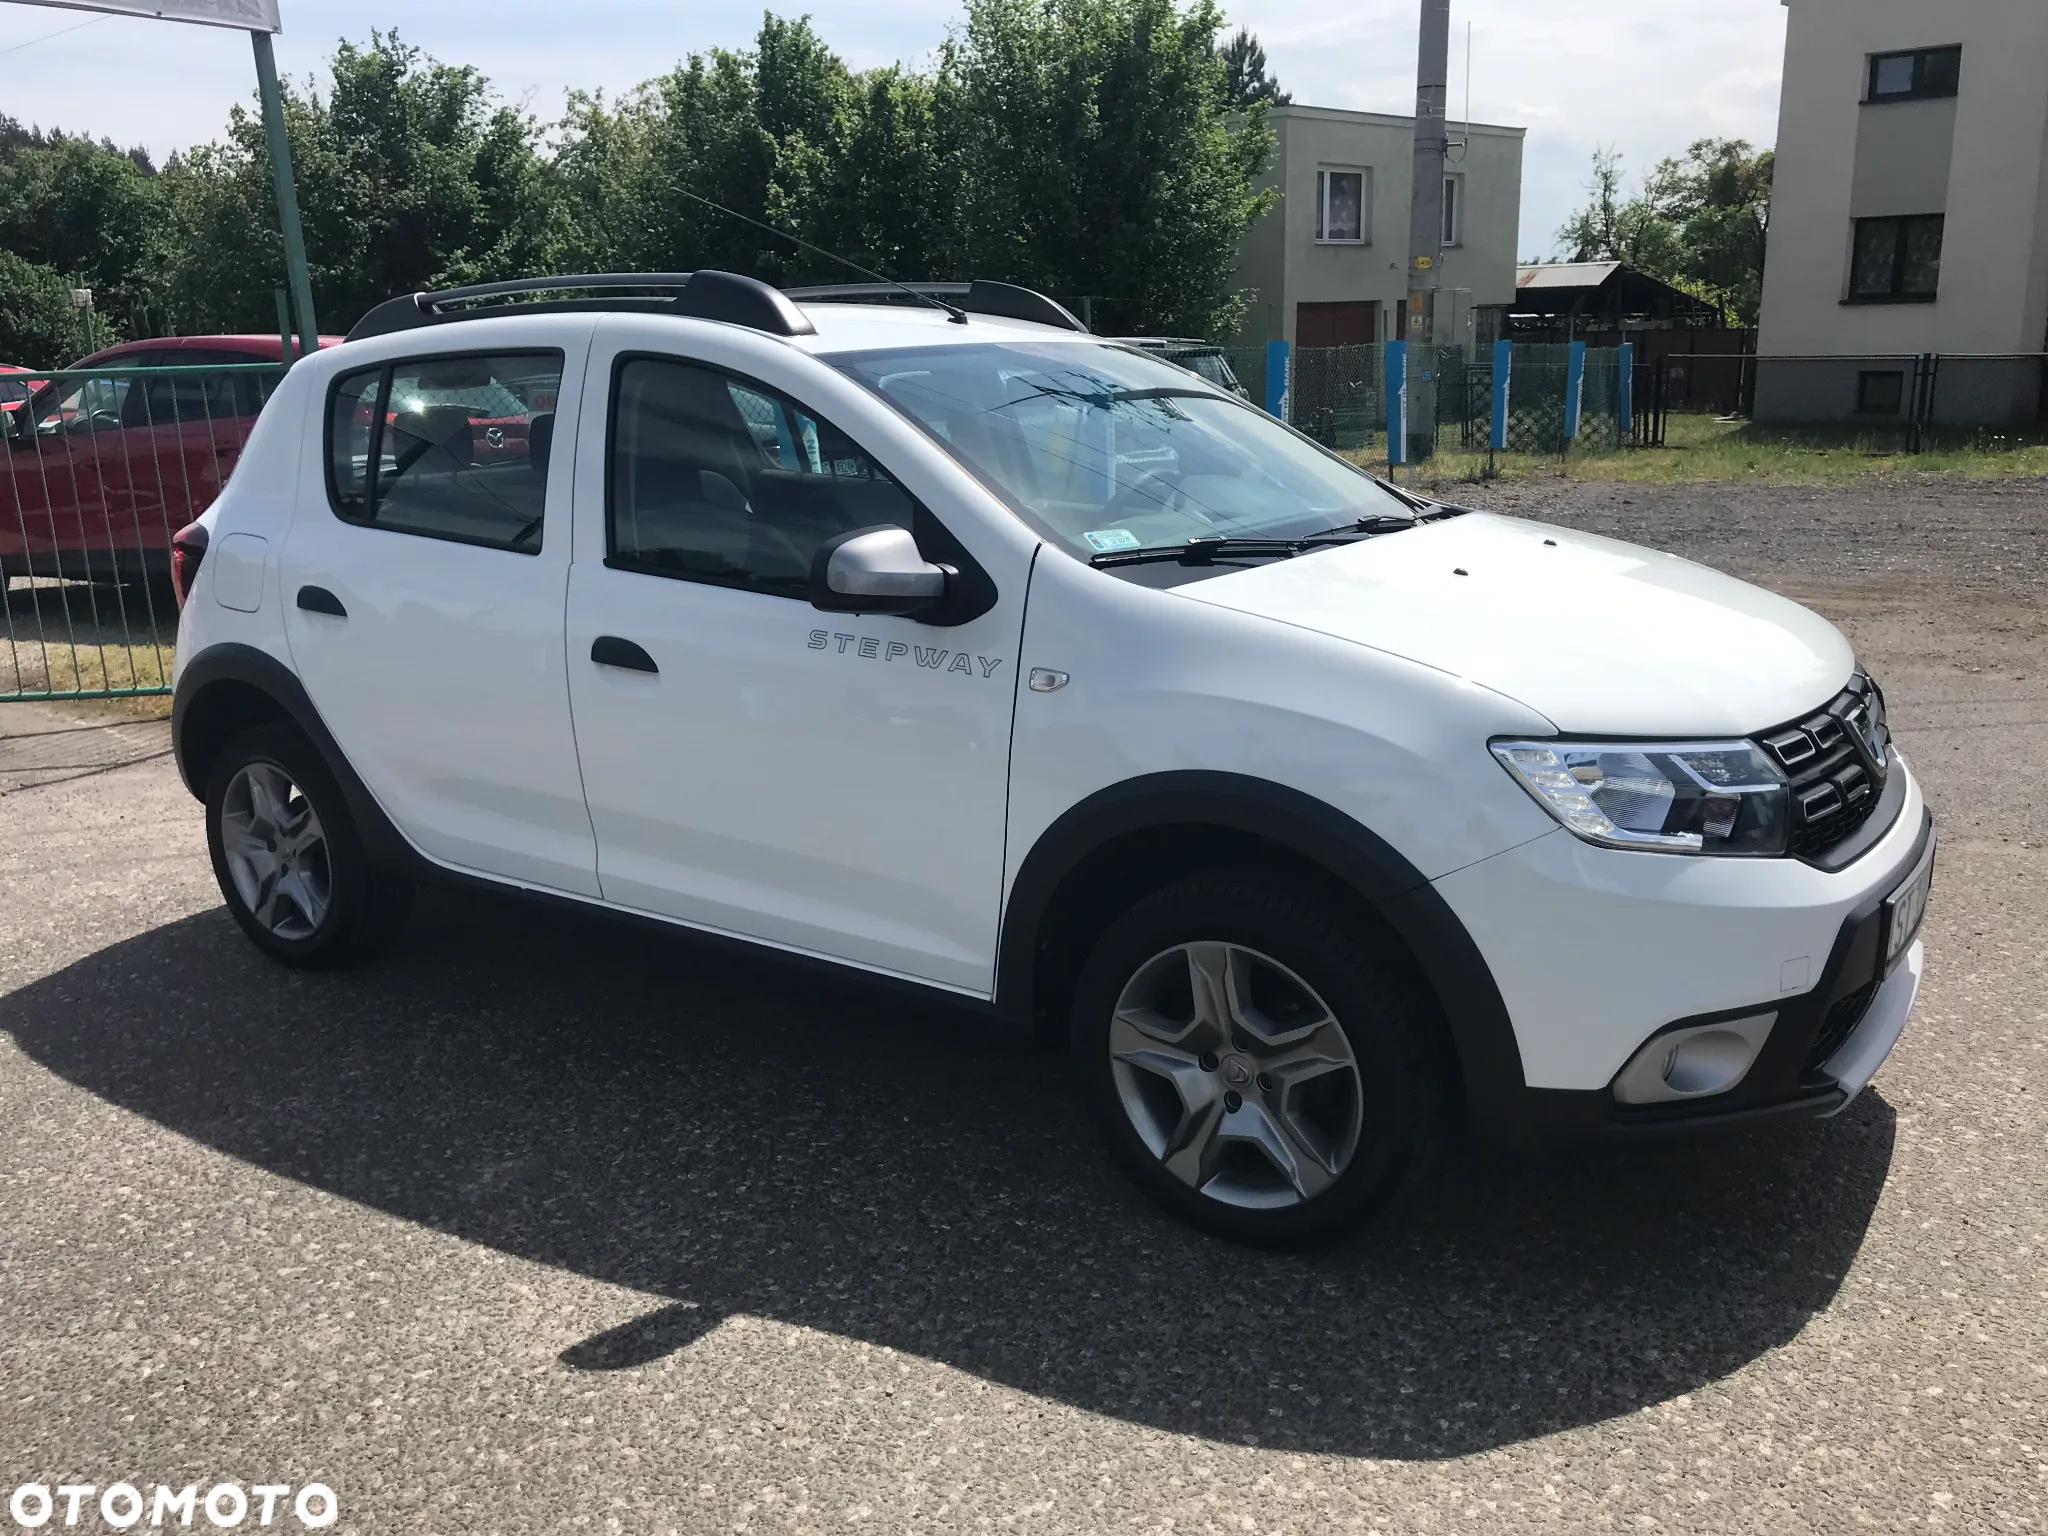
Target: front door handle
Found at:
611, 651
320, 600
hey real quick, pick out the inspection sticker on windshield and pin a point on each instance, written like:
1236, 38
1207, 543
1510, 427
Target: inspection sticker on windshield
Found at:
1104, 540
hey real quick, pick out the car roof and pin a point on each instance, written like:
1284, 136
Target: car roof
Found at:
864, 327
267, 347
840, 327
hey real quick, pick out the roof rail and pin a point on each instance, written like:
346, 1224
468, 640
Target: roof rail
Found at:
980, 297
704, 295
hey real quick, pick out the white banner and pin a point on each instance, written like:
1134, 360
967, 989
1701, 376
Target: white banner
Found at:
248, 15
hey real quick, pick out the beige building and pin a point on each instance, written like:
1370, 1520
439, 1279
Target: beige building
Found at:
1328, 265
1910, 209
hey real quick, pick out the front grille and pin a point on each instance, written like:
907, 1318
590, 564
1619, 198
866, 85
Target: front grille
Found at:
1837, 760
1839, 1025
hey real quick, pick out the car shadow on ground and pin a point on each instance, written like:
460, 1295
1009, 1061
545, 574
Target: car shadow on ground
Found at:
745, 1137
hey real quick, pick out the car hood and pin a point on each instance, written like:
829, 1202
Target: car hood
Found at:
1599, 636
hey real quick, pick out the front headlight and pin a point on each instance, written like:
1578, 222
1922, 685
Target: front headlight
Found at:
1722, 797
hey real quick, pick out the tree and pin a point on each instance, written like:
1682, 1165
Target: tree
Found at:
86, 211
1245, 77
410, 176
38, 326
1080, 147
1718, 200
1098, 159
1698, 223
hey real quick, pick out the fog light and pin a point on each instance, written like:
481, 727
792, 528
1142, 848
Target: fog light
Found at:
1693, 1062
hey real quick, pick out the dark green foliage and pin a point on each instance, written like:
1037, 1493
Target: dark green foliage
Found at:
409, 177
1245, 76
38, 326
85, 212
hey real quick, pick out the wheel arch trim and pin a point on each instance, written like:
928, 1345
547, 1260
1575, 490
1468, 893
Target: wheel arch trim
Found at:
1312, 831
234, 665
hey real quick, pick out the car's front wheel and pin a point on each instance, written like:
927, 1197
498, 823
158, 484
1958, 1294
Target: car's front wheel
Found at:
288, 858
1259, 1062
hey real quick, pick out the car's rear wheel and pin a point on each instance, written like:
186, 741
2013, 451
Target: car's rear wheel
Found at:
1260, 1063
288, 858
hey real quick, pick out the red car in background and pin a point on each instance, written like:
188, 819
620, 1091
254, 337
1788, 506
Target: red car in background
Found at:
16, 385
98, 473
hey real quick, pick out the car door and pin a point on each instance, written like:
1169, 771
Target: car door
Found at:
57, 520
829, 783
423, 591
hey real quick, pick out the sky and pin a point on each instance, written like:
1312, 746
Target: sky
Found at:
1644, 77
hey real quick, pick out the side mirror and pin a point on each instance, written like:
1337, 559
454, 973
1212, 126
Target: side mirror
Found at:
875, 570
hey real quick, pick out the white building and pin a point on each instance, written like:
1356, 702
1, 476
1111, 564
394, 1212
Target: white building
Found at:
1909, 213
1328, 265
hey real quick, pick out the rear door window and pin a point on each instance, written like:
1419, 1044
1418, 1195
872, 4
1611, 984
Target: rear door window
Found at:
447, 448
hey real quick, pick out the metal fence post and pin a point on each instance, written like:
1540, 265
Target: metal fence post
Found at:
1276, 379
1397, 404
1503, 367
287, 193
1625, 389
1574, 391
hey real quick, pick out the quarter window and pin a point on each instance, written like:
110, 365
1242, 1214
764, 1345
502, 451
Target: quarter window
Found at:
460, 447
1896, 261
1915, 75
718, 479
1340, 207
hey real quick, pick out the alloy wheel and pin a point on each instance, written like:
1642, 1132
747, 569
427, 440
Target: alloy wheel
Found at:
1236, 1075
276, 851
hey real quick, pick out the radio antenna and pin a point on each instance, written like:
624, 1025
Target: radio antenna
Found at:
953, 311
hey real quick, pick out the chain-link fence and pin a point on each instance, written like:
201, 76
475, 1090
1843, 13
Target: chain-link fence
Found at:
1241, 370
1337, 395
101, 467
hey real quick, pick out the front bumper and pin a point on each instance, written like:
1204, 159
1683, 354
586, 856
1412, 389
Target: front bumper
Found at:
1594, 951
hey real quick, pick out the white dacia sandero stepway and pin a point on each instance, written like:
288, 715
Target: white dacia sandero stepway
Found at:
947, 643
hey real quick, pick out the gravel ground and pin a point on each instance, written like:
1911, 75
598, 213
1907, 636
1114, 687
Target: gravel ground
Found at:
545, 1226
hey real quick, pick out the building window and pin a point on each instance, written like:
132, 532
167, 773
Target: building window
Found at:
1881, 393
1896, 261
1454, 210
1340, 207
1917, 75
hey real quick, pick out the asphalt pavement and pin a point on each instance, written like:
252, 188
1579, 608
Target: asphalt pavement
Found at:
547, 1225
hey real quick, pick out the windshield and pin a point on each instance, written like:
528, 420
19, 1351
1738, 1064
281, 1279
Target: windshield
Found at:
1106, 449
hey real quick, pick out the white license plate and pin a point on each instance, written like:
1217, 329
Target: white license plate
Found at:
1906, 906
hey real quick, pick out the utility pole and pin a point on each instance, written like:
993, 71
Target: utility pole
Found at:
296, 272
1426, 220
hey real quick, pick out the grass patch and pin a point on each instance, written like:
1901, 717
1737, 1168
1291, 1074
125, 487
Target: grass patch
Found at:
58, 640
1700, 448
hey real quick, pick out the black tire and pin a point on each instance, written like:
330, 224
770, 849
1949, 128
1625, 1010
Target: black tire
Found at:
365, 909
1291, 936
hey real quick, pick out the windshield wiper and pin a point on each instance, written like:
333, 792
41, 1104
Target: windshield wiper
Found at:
1377, 522
1426, 509
1204, 551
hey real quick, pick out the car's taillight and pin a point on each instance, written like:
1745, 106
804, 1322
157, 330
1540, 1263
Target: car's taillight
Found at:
188, 548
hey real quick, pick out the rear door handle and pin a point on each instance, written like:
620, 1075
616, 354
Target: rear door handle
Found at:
320, 600
611, 651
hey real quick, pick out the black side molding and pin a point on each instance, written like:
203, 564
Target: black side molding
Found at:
1489, 1058
320, 600
212, 688
612, 651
